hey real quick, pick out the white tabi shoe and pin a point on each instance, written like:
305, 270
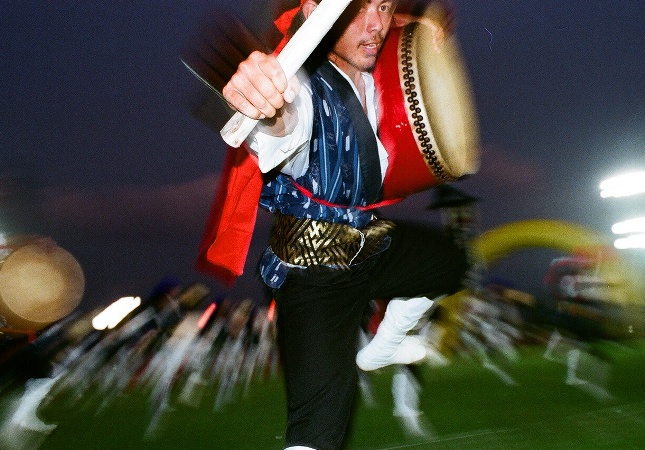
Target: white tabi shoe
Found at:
391, 344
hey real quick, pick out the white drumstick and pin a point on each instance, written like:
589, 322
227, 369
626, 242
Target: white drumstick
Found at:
291, 58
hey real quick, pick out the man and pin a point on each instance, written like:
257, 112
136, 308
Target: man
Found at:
329, 255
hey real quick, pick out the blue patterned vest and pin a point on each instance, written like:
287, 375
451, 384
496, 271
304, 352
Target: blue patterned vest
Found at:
343, 174
340, 177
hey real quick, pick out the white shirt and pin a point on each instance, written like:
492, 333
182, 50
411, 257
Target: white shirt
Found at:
290, 153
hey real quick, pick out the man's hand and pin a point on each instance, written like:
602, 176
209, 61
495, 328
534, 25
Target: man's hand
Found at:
259, 88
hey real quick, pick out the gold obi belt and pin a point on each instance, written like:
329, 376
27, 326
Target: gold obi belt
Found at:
308, 242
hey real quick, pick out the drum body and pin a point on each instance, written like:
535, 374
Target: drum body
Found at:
39, 284
427, 119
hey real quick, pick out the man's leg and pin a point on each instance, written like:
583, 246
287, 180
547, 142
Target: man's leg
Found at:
420, 261
319, 320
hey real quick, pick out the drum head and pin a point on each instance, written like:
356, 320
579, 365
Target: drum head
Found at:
446, 97
39, 285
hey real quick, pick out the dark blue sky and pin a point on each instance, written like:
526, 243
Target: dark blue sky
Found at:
94, 124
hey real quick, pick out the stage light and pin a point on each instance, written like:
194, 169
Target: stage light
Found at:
633, 241
4, 246
111, 316
623, 185
636, 225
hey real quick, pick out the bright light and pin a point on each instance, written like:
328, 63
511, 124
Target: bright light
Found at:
115, 313
633, 241
271, 311
4, 250
629, 226
623, 185
206, 315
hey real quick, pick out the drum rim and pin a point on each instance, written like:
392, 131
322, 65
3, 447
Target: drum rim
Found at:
415, 107
423, 116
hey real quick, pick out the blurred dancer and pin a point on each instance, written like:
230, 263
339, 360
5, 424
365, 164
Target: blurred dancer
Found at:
484, 334
329, 255
578, 317
406, 391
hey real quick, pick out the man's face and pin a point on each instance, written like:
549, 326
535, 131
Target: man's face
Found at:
359, 44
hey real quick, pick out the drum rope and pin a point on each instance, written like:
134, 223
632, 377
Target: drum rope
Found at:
429, 153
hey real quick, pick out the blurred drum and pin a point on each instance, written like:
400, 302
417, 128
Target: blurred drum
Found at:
427, 119
40, 283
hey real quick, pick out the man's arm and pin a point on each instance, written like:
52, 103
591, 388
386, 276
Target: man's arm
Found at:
259, 89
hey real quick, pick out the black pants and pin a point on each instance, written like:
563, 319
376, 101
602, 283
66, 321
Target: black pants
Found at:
319, 318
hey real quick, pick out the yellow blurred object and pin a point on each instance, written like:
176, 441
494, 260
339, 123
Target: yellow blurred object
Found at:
622, 286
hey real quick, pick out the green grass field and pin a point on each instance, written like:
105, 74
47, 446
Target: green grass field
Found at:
467, 406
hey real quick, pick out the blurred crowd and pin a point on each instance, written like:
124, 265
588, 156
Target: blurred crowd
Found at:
179, 346
176, 346
492, 322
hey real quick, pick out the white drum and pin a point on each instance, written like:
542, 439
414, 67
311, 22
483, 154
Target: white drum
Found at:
40, 283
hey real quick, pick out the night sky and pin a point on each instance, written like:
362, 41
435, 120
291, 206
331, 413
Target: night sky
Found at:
104, 156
